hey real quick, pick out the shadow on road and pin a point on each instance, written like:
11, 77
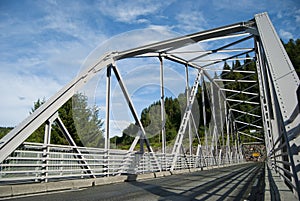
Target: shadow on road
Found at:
224, 184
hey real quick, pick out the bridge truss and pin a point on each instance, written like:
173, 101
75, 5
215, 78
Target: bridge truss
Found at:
273, 118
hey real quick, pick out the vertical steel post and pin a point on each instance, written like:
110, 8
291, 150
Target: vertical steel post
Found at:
221, 118
233, 148
47, 138
227, 131
237, 143
108, 79
204, 114
215, 130
187, 99
162, 107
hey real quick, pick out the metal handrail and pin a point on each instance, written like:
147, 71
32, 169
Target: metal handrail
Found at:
30, 163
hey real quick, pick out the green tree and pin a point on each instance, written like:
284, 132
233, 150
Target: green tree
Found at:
37, 135
4, 131
66, 115
293, 49
88, 124
127, 137
82, 122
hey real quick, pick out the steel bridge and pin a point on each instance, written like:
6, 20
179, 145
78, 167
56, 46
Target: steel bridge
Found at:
273, 119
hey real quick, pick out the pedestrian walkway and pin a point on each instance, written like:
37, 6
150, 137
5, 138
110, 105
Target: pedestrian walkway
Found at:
275, 188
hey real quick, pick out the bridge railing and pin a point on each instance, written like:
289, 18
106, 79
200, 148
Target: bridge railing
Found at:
280, 162
35, 162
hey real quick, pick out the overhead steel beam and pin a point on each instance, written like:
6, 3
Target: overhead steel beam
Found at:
186, 40
246, 113
246, 134
239, 92
221, 48
228, 80
248, 124
242, 101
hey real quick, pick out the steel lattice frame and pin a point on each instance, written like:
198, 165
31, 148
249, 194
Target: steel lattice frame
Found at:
279, 107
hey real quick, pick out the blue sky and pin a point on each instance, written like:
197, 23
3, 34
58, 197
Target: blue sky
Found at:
44, 43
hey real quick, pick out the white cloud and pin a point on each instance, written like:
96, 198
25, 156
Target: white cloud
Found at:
239, 6
191, 21
19, 92
285, 34
279, 15
41, 52
76, 20
131, 11
297, 16
161, 28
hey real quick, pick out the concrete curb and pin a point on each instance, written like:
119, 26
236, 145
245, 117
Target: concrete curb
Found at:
137, 177
109, 180
57, 185
167, 173
145, 176
159, 174
5, 191
174, 172
25, 189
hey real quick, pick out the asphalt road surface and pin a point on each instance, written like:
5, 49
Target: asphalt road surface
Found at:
241, 182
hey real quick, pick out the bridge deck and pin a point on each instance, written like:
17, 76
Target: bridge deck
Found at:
240, 182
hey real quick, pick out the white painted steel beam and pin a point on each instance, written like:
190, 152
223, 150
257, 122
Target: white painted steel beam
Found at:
242, 101
246, 134
178, 42
228, 80
162, 106
248, 124
239, 92
246, 113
